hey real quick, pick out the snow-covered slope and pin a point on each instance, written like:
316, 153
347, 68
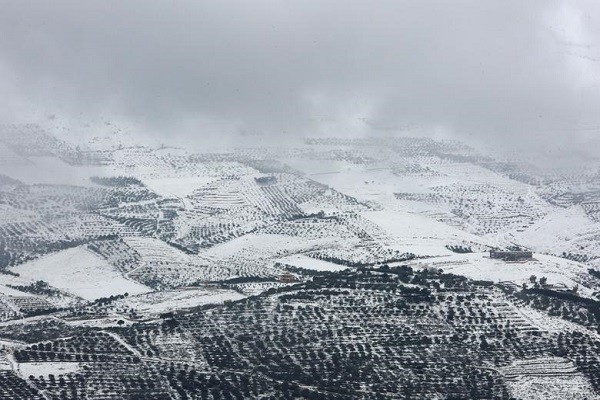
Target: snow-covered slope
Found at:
79, 272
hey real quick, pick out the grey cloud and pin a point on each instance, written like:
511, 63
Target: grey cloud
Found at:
506, 72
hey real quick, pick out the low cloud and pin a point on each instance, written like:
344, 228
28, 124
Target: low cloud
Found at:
510, 73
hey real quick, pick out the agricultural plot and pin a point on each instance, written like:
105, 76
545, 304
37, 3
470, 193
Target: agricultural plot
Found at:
558, 272
305, 262
423, 236
157, 303
81, 273
485, 208
255, 254
546, 378
566, 232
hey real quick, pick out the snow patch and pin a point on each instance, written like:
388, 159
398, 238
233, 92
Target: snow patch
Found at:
303, 261
48, 368
170, 300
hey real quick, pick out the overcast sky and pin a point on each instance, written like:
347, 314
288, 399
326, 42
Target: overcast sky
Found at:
506, 72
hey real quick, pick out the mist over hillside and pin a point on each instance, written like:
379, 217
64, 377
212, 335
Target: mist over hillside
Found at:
519, 78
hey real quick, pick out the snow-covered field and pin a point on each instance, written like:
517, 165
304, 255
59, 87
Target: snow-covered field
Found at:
418, 234
48, 368
567, 230
362, 182
558, 271
80, 272
547, 378
156, 303
155, 250
303, 261
265, 246
573, 387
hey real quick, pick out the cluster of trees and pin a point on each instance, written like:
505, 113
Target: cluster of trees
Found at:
116, 181
459, 249
107, 300
38, 287
266, 180
567, 305
583, 258
13, 387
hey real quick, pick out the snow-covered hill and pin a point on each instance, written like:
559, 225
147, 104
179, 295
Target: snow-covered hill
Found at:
118, 257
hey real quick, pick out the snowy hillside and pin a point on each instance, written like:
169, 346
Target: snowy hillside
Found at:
114, 252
